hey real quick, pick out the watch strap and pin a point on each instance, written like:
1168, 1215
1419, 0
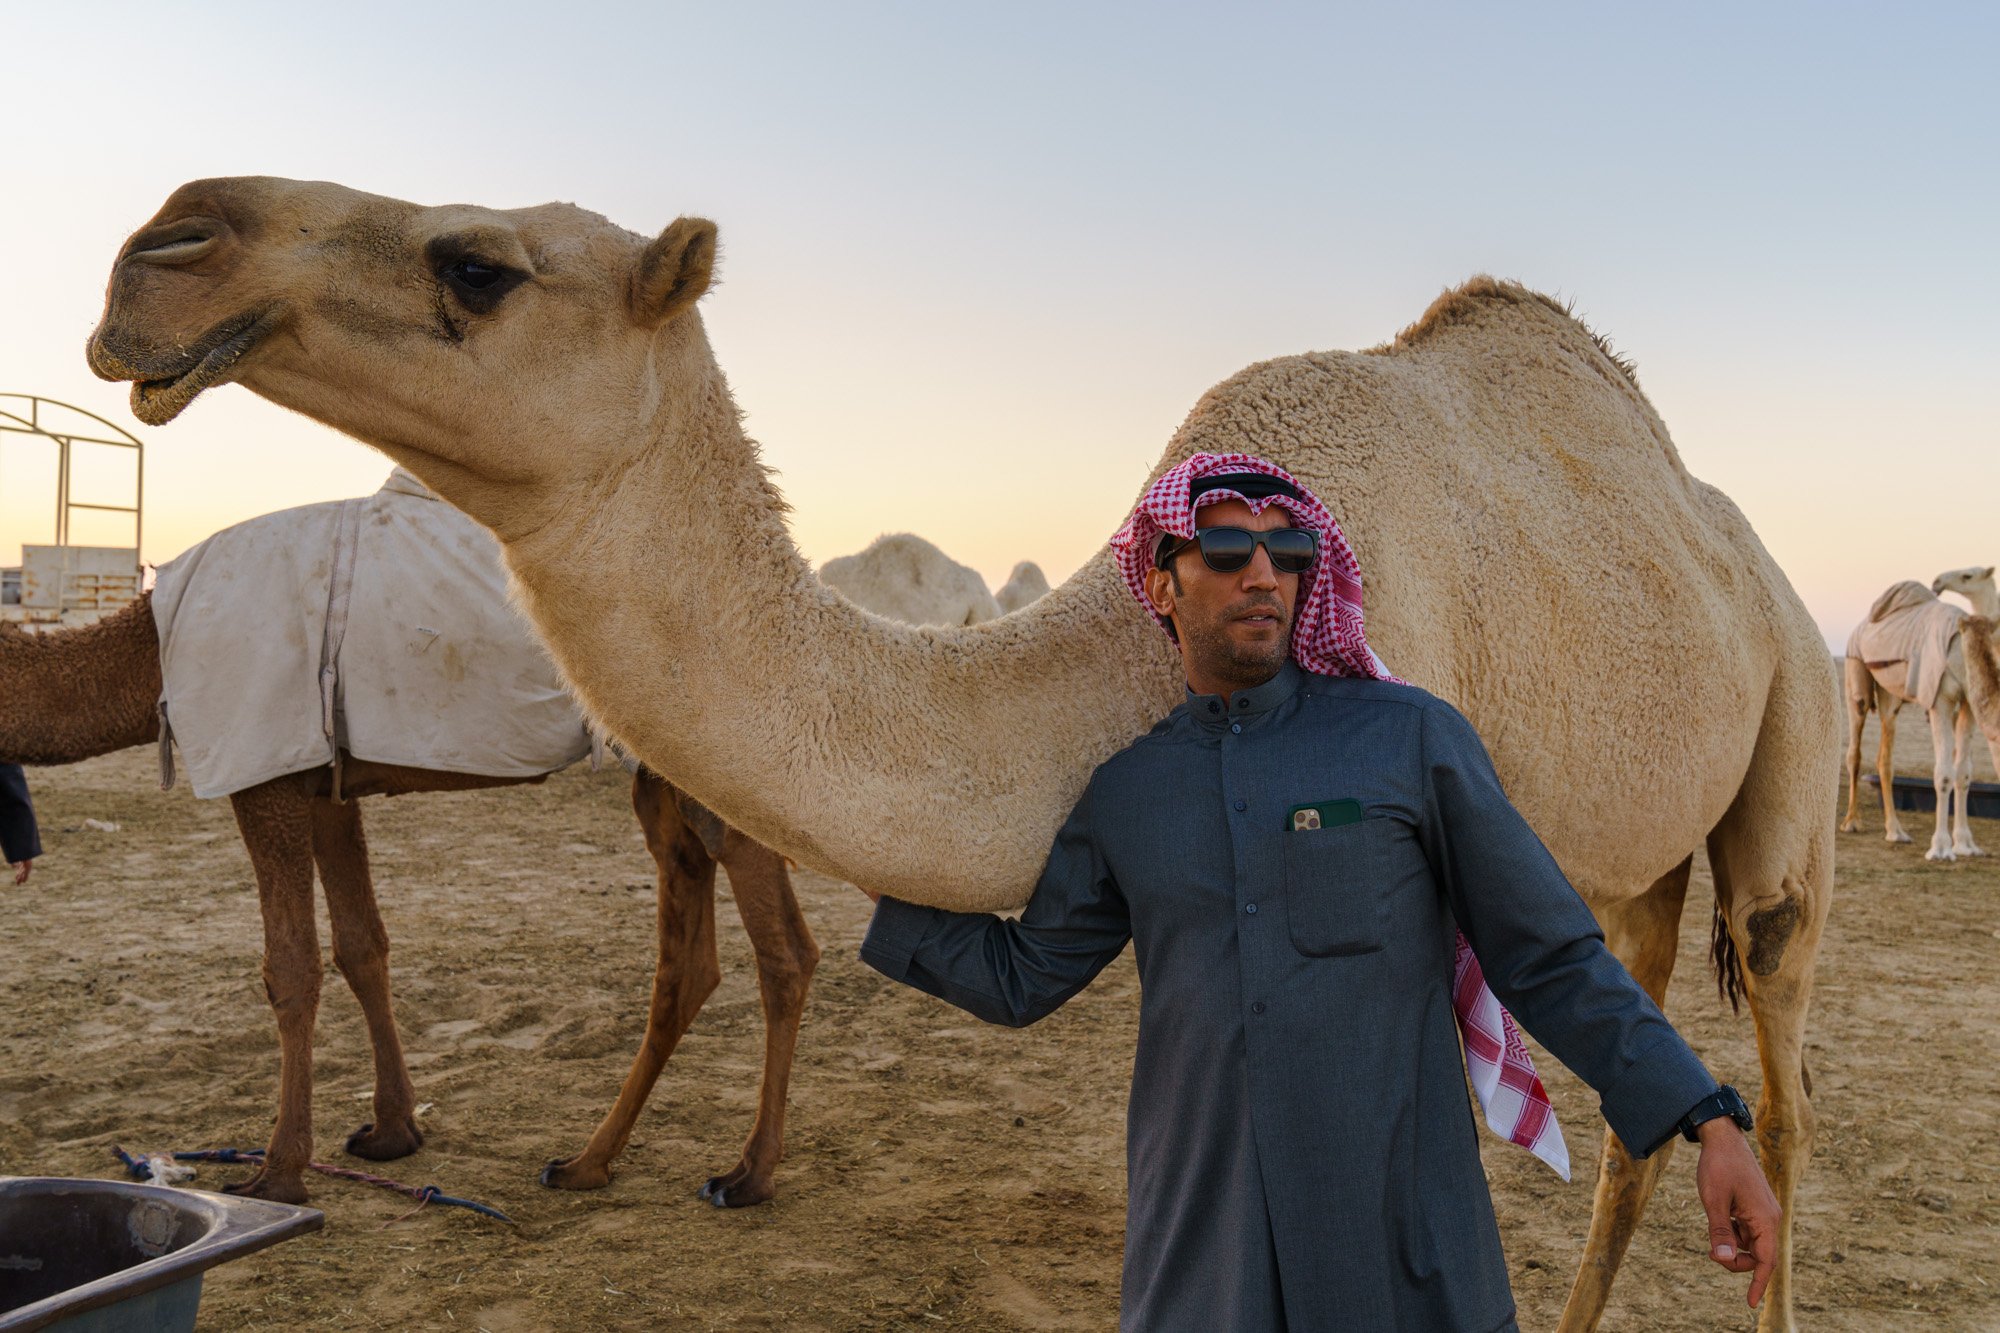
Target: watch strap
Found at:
1724, 1101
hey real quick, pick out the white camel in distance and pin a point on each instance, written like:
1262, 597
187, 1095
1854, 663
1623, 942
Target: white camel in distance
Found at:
1024, 585
904, 577
1886, 668
907, 579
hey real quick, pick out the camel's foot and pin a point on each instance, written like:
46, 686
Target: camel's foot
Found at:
739, 1188
1940, 852
1850, 825
1895, 835
386, 1143
1968, 848
278, 1187
575, 1173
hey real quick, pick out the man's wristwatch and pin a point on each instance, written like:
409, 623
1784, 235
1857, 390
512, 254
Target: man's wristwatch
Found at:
1725, 1100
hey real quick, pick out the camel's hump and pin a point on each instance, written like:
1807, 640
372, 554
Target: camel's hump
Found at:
1901, 597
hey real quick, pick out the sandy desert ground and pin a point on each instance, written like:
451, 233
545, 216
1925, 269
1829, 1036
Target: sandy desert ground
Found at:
941, 1174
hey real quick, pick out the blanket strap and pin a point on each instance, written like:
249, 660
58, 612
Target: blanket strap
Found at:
339, 594
166, 750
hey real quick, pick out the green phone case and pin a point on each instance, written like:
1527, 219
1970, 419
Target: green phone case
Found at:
1322, 814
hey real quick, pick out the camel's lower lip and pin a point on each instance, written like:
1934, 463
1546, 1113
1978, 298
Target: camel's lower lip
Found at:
158, 401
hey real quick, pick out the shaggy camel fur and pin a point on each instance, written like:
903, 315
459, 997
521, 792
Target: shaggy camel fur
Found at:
904, 577
73, 694
1535, 548
1026, 584
1885, 686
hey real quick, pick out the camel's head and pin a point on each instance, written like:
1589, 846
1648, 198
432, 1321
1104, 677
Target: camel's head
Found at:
1964, 581
466, 338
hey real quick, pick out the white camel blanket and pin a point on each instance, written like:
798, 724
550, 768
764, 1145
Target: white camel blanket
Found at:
379, 625
1912, 625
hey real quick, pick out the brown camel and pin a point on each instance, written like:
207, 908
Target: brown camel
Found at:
1495, 467
73, 694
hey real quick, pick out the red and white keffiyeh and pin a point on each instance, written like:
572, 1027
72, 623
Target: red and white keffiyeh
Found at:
1328, 638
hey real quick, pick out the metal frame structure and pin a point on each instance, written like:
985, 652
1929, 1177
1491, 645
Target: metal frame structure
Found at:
35, 422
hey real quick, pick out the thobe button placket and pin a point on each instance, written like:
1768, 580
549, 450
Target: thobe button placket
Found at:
1240, 806
1257, 1007
1236, 727
1250, 909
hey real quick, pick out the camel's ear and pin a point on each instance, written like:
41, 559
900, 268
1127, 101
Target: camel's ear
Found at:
1988, 573
674, 271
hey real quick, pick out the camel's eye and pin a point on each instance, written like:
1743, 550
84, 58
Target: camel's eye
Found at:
473, 274
477, 284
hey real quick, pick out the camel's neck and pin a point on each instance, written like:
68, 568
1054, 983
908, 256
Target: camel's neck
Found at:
738, 675
76, 693
1985, 599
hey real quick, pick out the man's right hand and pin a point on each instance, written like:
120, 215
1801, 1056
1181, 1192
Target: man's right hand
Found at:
21, 869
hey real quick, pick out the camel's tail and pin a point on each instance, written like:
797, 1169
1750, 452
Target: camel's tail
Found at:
1728, 967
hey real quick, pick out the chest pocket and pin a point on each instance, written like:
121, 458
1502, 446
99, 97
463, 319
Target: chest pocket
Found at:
1339, 883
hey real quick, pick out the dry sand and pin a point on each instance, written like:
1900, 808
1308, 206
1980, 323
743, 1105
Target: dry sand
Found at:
941, 1173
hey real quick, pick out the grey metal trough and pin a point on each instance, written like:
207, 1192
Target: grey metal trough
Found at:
107, 1256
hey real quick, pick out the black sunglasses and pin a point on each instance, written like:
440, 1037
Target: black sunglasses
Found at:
1226, 550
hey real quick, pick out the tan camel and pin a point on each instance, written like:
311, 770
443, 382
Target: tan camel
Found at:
904, 577
1880, 678
73, 694
1025, 584
1535, 547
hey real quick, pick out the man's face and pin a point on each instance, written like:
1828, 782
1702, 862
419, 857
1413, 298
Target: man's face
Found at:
1235, 629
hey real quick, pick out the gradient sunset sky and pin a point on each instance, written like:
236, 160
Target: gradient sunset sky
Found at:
978, 262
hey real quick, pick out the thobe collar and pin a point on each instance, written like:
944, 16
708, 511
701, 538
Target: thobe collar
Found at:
1211, 711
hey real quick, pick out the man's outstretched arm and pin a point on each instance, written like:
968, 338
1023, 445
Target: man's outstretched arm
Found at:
1544, 956
1011, 971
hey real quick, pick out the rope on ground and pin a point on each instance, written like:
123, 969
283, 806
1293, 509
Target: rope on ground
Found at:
142, 1168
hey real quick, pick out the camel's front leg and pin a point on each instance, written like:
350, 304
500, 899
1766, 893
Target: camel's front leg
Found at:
786, 957
1885, 770
361, 952
276, 822
683, 978
1961, 775
1942, 765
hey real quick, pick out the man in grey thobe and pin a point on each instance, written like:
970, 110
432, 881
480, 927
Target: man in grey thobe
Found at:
1301, 1153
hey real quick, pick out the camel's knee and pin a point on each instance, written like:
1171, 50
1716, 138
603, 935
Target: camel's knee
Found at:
789, 972
359, 948
292, 988
359, 963
1786, 1132
686, 983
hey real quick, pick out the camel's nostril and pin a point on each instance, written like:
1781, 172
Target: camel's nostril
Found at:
178, 243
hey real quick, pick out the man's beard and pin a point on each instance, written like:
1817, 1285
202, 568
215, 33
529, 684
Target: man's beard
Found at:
1240, 666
